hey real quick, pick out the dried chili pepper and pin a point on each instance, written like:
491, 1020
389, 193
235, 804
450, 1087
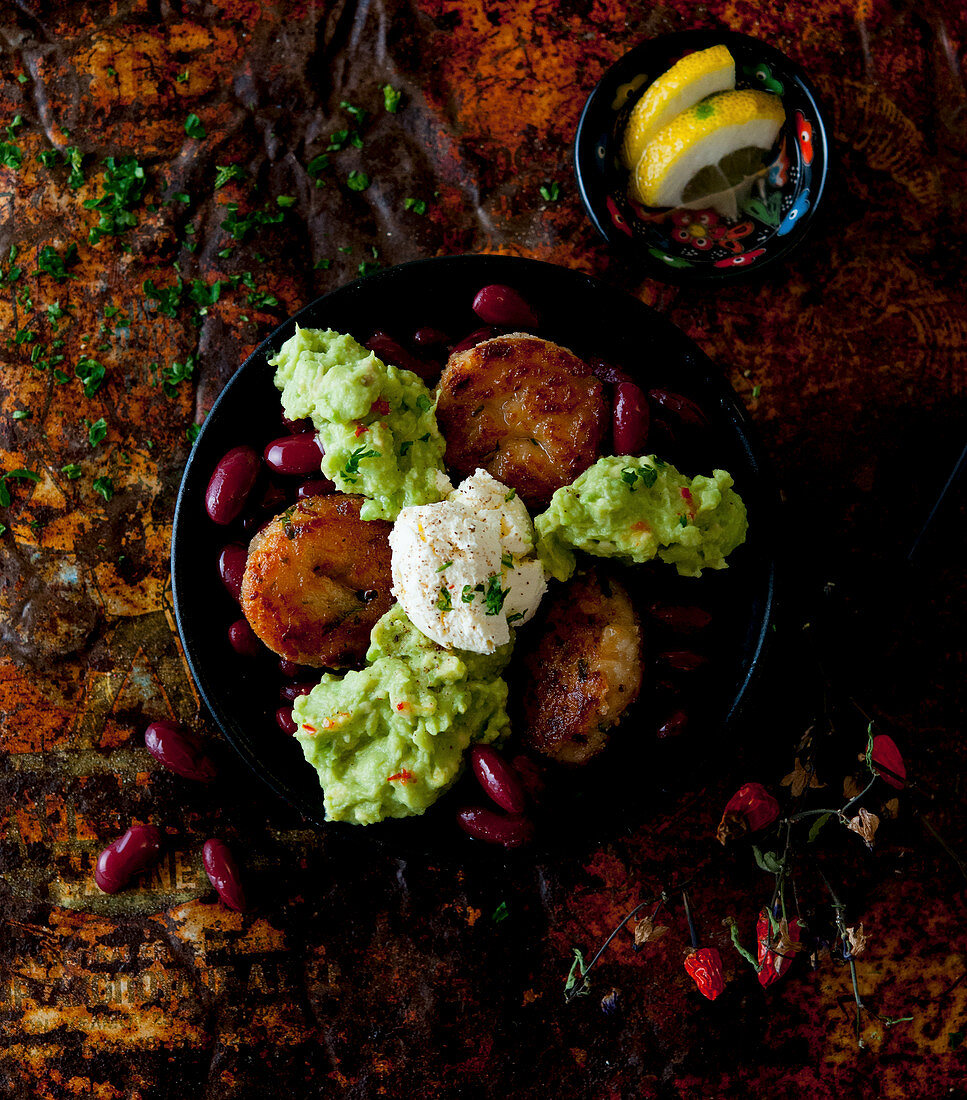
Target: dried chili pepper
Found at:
886, 759
750, 809
775, 957
704, 967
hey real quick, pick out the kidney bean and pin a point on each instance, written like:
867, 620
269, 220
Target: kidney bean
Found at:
683, 620
297, 427
243, 638
383, 345
498, 304
223, 874
318, 487
674, 724
121, 860
497, 778
290, 670
285, 721
291, 692
294, 454
179, 752
495, 828
476, 337
531, 775
684, 660
683, 407
430, 338
630, 420
606, 372
230, 484
231, 567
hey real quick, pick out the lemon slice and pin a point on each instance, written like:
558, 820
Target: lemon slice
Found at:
706, 152
693, 78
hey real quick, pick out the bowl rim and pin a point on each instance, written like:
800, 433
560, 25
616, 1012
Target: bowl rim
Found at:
584, 164
701, 364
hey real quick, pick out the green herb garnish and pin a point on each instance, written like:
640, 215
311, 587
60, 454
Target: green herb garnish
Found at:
357, 181
494, 595
124, 183
424, 403
391, 98
104, 486
418, 206
96, 431
225, 173
467, 595
194, 127
351, 470
91, 372
551, 192
648, 475
446, 565
444, 603
51, 262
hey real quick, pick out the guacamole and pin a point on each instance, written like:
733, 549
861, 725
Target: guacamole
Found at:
376, 422
638, 508
388, 740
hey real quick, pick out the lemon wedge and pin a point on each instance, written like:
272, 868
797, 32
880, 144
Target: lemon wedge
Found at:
693, 78
709, 153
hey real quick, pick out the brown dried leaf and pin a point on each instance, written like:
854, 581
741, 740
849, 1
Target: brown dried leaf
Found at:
857, 940
865, 825
646, 931
798, 779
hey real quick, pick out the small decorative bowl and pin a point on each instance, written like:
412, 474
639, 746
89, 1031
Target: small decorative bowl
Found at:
686, 245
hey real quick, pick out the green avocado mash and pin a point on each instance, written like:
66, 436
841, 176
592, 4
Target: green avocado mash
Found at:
376, 422
637, 508
388, 740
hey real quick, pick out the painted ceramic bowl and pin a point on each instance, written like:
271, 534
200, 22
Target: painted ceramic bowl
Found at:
686, 245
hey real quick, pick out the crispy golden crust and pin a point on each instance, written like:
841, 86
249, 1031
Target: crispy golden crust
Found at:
583, 669
526, 410
310, 578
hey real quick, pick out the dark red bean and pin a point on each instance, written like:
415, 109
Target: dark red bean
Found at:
179, 752
231, 567
291, 692
681, 406
476, 337
531, 775
231, 484
285, 721
121, 860
606, 372
495, 828
684, 660
630, 421
223, 874
243, 639
318, 487
674, 724
297, 427
294, 454
498, 304
290, 670
430, 338
683, 620
383, 345
497, 778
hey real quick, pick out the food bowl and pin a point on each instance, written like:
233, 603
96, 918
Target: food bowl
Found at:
689, 245
242, 693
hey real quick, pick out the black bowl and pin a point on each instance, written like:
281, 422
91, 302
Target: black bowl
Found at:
579, 312
687, 246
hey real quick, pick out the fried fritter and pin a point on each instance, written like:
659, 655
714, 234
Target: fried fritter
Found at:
583, 669
317, 579
528, 411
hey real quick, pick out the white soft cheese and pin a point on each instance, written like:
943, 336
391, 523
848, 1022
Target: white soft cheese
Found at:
465, 569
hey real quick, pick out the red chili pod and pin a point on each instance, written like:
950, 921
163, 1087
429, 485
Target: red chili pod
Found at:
223, 874
121, 860
773, 963
231, 567
704, 967
476, 337
494, 828
499, 304
683, 620
497, 778
684, 408
285, 721
630, 419
243, 639
886, 759
390, 351
294, 454
179, 752
750, 809
230, 484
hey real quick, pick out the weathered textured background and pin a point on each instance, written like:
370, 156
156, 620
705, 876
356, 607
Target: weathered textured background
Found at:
362, 971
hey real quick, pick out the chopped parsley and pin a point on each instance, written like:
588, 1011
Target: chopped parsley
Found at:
123, 184
648, 475
14, 475
444, 603
240, 227
168, 297
72, 471
11, 154
225, 173
500, 913
22, 414
418, 206
96, 431
316, 167
494, 595
511, 495
351, 470
182, 78
51, 262
322, 265
391, 98
513, 618
357, 181
176, 373
424, 403
104, 486
446, 565
467, 595
683, 520
756, 390
194, 127
191, 432
22, 78
551, 192
49, 158
367, 267
507, 560
405, 446
91, 372
357, 112
261, 299
285, 201
338, 140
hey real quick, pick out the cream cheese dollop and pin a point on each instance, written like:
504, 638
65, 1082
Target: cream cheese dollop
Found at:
464, 569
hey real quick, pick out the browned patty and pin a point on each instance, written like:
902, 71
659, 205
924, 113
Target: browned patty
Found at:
526, 410
317, 579
583, 668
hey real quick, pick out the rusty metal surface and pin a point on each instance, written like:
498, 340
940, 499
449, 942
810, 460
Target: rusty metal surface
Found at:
361, 971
